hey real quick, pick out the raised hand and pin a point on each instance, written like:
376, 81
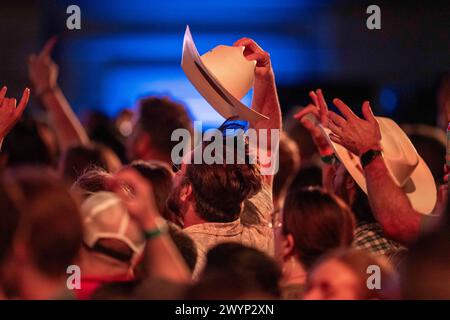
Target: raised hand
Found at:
42, 70
254, 52
319, 109
138, 197
355, 134
9, 113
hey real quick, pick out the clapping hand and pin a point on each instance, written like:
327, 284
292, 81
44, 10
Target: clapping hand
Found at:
319, 109
355, 134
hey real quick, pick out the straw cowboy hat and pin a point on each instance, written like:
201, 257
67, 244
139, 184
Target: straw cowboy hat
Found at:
223, 76
407, 168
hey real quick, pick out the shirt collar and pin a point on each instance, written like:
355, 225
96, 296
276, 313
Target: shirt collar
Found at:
217, 228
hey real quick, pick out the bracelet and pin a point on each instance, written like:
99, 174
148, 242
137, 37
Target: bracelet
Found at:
161, 228
368, 156
330, 159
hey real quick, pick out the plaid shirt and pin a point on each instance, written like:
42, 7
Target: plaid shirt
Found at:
369, 236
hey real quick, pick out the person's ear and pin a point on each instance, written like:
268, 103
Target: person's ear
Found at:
288, 245
186, 193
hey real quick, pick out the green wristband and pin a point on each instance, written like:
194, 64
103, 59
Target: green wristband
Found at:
161, 228
330, 159
151, 234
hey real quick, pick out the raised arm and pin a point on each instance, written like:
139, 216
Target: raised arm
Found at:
43, 74
390, 205
319, 111
265, 97
9, 113
161, 257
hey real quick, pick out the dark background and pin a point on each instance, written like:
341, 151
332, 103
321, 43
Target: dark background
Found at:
127, 49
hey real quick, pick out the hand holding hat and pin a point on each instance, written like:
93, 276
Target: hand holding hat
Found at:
224, 75
355, 134
254, 52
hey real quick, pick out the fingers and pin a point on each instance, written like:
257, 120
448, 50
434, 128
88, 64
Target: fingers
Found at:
314, 98
262, 58
253, 51
344, 109
239, 43
48, 47
2, 94
309, 109
12, 103
314, 130
134, 180
248, 43
5, 103
23, 102
367, 112
334, 128
335, 138
336, 119
323, 108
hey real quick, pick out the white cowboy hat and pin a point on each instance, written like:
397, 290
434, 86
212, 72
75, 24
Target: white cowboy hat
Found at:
407, 168
223, 76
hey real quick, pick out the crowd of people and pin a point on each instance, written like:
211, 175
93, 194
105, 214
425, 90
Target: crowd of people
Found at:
103, 197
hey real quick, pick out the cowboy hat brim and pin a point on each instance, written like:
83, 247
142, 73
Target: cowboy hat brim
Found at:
210, 88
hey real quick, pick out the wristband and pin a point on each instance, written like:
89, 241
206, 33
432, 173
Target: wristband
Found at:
330, 159
161, 228
368, 156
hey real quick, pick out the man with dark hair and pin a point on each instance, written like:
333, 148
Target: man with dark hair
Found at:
151, 136
231, 202
210, 199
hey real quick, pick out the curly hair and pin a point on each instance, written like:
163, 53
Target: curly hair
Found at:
220, 189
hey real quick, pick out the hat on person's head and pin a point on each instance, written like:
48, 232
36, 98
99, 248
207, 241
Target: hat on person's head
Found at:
223, 76
106, 217
407, 168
